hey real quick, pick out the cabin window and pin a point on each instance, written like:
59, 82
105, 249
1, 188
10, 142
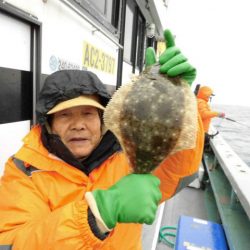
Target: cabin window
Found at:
106, 12
129, 22
115, 13
101, 5
105, 7
134, 41
140, 42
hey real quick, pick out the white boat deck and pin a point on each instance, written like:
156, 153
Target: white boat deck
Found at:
189, 201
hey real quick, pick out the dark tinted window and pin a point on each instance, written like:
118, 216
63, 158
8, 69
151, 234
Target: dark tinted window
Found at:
134, 42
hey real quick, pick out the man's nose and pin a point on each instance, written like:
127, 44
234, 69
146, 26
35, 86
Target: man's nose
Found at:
78, 123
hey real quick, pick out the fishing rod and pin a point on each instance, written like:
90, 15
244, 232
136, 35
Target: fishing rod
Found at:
232, 120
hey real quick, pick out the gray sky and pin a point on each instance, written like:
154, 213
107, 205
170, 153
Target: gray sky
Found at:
215, 36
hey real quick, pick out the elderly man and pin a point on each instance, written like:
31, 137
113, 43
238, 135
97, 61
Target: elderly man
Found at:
70, 185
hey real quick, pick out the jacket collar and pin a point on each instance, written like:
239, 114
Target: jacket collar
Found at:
51, 148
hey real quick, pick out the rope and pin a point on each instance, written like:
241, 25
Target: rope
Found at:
163, 235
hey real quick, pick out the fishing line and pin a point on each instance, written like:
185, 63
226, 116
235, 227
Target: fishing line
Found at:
220, 123
218, 126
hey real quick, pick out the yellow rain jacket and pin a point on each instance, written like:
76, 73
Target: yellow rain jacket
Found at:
42, 203
203, 107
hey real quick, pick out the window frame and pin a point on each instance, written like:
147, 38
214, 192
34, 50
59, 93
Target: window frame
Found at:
90, 10
137, 44
35, 47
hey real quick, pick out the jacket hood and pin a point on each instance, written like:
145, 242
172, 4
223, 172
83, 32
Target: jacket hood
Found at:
204, 93
67, 84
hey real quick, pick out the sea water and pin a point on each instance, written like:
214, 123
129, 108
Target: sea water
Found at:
235, 134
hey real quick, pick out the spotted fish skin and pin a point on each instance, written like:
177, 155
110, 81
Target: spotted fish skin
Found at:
147, 117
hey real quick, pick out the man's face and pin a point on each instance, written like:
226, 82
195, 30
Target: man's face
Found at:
79, 129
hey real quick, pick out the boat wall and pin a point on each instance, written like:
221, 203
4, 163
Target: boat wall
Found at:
39, 37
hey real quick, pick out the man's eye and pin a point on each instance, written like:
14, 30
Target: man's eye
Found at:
88, 113
64, 114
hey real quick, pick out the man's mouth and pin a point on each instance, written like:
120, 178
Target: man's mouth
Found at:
78, 139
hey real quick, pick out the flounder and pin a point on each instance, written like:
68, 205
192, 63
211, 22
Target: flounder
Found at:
153, 116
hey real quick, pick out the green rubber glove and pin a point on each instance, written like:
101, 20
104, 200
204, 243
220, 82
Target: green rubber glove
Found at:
172, 61
133, 199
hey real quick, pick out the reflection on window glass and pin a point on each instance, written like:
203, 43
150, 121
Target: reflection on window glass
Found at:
128, 30
115, 12
105, 7
140, 42
100, 5
109, 10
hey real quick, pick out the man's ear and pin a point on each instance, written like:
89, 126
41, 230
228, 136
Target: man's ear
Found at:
47, 125
103, 128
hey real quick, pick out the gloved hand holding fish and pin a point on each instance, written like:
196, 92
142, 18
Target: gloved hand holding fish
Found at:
155, 115
172, 61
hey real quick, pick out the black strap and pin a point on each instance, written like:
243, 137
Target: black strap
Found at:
26, 170
185, 181
5, 247
108, 146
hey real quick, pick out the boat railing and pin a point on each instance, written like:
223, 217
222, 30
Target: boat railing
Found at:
229, 184
235, 169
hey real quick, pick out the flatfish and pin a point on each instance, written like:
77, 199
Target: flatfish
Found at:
153, 117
